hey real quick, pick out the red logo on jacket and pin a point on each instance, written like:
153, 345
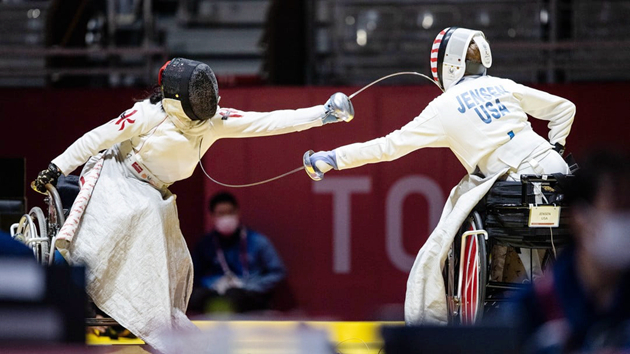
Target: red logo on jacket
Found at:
230, 113
124, 118
136, 167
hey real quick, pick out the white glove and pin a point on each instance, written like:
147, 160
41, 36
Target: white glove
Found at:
338, 108
324, 161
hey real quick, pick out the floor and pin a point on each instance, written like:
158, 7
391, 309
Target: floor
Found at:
262, 337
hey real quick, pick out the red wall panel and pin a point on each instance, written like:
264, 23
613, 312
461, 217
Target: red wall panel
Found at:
348, 240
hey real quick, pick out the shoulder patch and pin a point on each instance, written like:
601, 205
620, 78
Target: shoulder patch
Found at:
125, 118
226, 113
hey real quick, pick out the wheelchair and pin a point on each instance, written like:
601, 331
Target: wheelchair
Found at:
501, 218
39, 230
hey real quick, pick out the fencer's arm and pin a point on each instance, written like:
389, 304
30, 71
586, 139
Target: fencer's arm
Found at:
542, 105
250, 124
130, 123
424, 131
236, 123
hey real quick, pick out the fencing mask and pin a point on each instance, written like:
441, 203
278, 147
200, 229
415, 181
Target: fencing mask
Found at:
191, 85
448, 55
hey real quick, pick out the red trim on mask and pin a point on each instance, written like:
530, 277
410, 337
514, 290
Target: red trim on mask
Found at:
162, 72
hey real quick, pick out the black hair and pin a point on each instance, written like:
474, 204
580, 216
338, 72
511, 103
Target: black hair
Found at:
222, 197
156, 94
153, 94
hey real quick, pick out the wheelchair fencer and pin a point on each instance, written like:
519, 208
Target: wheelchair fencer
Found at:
509, 215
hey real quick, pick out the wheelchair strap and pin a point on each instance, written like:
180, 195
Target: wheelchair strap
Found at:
573, 166
137, 167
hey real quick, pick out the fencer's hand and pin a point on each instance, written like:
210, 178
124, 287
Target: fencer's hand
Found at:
49, 175
324, 161
221, 285
226, 282
338, 108
235, 282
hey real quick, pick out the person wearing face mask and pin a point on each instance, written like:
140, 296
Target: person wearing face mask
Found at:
582, 305
236, 268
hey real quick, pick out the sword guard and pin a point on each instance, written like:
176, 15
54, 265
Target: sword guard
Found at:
311, 171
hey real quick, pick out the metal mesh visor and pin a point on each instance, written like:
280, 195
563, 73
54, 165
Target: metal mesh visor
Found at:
193, 84
203, 92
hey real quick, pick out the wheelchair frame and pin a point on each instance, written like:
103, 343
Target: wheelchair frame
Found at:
38, 231
469, 290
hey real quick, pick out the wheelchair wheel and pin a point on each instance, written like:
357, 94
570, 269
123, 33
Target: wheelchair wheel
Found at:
56, 217
24, 229
465, 273
27, 232
42, 246
450, 281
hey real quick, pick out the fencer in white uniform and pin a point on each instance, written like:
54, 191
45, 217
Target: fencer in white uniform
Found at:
483, 120
126, 230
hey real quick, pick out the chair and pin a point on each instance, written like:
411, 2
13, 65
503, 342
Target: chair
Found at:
501, 218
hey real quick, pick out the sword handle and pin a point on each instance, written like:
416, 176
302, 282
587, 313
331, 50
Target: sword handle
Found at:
311, 171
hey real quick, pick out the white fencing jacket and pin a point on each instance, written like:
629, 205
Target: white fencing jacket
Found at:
483, 120
475, 119
168, 144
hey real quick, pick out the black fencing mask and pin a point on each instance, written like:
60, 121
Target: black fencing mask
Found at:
193, 84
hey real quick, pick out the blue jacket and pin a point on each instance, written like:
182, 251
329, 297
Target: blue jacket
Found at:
12, 248
264, 267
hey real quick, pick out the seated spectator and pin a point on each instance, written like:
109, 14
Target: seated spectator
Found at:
236, 269
582, 305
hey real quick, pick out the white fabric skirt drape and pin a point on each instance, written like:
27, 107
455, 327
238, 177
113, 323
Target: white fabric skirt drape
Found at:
139, 270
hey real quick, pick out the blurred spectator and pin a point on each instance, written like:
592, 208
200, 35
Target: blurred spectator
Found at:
236, 269
582, 306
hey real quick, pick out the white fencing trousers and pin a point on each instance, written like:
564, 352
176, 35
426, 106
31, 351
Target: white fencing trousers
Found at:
546, 163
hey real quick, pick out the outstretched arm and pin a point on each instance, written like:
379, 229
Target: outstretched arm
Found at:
424, 131
235, 123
